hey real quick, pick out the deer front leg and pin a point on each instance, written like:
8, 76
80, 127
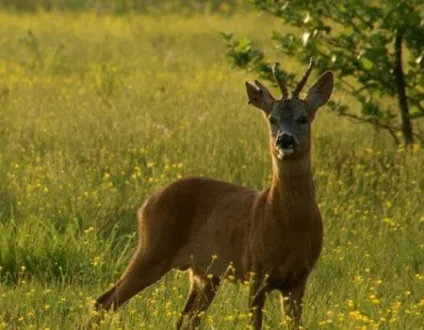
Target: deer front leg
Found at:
256, 303
292, 303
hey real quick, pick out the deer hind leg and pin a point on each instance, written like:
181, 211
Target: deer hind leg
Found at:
257, 296
140, 273
201, 294
292, 303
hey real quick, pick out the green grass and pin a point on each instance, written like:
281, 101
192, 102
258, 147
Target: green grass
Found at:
96, 112
122, 6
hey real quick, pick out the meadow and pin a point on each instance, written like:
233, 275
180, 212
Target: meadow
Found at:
98, 111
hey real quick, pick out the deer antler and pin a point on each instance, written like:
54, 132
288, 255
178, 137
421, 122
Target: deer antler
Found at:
276, 72
302, 82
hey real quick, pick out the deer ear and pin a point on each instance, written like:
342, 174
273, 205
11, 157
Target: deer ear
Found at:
320, 92
259, 96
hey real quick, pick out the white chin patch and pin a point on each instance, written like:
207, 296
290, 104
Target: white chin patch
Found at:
284, 152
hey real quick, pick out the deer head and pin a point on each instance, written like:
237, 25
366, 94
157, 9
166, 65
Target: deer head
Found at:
290, 118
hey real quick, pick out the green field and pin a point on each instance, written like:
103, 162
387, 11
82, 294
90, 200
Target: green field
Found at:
97, 111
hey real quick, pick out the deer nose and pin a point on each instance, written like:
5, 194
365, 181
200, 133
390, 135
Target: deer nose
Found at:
286, 141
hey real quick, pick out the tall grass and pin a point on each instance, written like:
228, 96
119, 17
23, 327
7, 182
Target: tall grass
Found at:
96, 112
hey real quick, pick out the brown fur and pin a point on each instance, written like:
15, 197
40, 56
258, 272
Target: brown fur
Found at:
272, 237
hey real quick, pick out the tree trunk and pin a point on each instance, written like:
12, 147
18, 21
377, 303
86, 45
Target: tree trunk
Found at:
401, 92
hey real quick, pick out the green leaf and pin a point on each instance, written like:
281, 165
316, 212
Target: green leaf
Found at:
227, 36
348, 29
367, 64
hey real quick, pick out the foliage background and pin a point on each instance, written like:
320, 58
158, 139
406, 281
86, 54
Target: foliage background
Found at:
375, 49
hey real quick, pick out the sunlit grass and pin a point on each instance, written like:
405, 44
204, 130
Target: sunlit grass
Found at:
96, 112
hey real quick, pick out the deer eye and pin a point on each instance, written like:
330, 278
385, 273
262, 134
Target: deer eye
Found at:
272, 120
302, 120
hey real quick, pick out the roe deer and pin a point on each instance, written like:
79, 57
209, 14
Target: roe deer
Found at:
274, 235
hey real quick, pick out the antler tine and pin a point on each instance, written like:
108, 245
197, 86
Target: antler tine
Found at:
304, 79
276, 72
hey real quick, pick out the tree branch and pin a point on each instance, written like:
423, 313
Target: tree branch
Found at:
374, 122
416, 115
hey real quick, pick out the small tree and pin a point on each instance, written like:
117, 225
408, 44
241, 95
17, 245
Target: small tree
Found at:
375, 48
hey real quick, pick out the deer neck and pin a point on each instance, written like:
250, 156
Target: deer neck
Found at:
292, 190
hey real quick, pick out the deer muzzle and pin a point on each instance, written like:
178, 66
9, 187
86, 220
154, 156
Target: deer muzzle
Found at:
285, 145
